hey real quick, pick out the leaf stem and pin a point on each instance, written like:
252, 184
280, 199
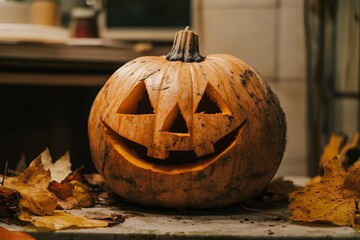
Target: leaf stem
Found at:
5, 172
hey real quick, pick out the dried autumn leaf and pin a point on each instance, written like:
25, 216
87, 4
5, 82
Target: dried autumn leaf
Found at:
68, 204
279, 189
326, 201
352, 180
9, 203
94, 179
111, 218
82, 194
72, 192
14, 235
60, 169
350, 153
32, 185
339, 145
75, 175
333, 147
62, 220
314, 180
62, 190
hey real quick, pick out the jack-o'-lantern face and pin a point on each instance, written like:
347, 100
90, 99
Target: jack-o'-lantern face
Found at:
172, 118
186, 131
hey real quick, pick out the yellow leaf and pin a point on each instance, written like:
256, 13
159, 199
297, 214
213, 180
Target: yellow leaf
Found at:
326, 201
9, 203
82, 194
333, 147
62, 220
60, 169
32, 185
314, 180
352, 180
334, 173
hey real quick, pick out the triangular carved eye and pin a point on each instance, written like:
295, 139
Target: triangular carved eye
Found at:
137, 102
175, 122
211, 102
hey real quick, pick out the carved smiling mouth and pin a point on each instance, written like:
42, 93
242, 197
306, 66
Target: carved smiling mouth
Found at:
175, 157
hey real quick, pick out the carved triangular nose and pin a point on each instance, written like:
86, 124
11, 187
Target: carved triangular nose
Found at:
175, 122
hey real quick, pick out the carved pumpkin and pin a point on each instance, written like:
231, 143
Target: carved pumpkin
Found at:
184, 130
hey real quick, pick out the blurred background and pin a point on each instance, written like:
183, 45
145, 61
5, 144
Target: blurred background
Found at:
56, 54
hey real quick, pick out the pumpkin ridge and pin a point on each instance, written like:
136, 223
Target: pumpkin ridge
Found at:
129, 70
216, 67
166, 69
195, 82
169, 67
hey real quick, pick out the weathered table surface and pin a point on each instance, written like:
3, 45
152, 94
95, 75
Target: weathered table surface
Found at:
246, 221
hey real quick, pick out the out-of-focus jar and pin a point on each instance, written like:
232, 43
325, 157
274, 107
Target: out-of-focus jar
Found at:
84, 23
45, 12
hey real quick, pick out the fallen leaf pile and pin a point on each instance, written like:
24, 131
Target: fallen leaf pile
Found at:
35, 195
72, 192
334, 199
32, 186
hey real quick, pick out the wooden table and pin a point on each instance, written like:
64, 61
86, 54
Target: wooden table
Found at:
247, 221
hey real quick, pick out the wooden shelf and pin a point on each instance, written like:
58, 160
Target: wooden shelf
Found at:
67, 64
46, 91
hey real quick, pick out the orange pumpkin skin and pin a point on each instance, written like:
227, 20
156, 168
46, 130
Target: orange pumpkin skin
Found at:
250, 125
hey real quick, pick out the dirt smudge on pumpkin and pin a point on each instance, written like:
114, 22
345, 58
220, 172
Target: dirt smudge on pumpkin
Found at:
212, 169
256, 175
230, 118
118, 177
106, 89
200, 176
220, 196
270, 96
224, 159
148, 75
153, 191
245, 76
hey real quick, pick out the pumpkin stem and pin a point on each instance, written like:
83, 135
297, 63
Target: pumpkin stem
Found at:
185, 47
